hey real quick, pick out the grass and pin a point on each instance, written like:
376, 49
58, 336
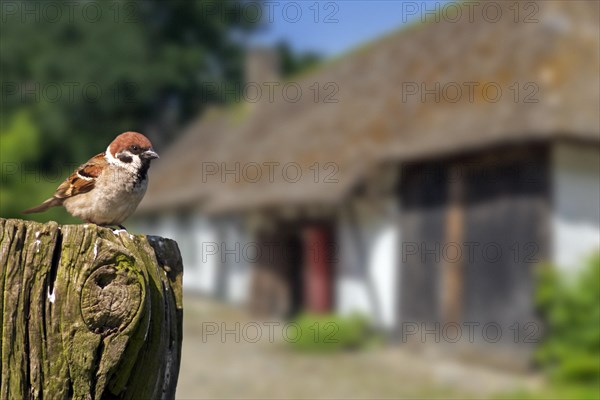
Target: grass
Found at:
556, 391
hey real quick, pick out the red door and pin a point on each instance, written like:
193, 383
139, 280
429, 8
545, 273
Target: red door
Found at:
318, 275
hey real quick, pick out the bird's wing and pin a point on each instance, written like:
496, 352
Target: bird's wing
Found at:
83, 179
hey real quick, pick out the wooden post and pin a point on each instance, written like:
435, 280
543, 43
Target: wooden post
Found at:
453, 270
88, 313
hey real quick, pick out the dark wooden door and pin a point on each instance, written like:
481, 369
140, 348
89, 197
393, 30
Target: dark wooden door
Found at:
494, 207
424, 195
318, 277
294, 272
271, 286
506, 211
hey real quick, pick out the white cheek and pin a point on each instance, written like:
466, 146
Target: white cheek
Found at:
133, 166
137, 162
109, 157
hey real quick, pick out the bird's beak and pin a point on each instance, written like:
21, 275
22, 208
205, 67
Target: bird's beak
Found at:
149, 154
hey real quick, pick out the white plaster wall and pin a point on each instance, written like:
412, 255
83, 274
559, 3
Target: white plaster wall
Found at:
352, 297
383, 269
204, 243
576, 203
374, 291
202, 274
169, 225
351, 290
191, 236
238, 267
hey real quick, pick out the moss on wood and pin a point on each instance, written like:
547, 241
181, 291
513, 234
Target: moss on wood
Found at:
88, 312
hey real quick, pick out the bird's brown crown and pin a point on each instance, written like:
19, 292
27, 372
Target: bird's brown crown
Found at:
128, 139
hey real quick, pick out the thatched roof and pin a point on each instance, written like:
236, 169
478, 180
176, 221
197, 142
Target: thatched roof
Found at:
554, 61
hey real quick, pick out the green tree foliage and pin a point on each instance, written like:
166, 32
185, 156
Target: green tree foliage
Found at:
24, 182
571, 309
88, 72
291, 63
76, 73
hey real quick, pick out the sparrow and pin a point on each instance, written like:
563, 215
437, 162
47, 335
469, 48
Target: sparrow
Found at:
107, 189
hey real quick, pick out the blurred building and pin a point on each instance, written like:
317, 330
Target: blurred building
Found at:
421, 177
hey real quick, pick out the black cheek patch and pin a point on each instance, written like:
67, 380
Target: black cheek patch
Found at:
124, 158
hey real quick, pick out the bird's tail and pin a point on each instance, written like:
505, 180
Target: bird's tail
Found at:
51, 202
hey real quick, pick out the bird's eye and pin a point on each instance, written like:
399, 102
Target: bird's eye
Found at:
134, 148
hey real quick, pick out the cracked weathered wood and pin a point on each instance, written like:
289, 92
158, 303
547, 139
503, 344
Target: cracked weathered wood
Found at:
88, 313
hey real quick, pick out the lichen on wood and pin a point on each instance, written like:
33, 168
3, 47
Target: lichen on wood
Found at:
88, 312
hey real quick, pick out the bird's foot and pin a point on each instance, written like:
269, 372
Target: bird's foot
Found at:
114, 227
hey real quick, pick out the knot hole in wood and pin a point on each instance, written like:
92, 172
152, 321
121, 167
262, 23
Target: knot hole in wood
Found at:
111, 296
